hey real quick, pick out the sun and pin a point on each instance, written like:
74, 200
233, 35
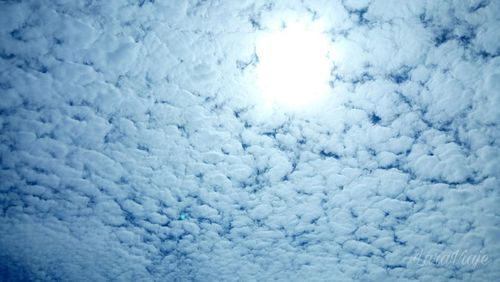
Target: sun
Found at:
294, 66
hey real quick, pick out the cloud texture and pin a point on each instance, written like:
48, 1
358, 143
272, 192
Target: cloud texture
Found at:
133, 146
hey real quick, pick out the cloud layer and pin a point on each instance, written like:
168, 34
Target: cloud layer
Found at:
134, 147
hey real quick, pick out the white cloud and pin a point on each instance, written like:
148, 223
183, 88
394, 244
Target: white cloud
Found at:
135, 147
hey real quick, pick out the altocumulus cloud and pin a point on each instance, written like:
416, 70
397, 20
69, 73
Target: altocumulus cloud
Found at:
133, 147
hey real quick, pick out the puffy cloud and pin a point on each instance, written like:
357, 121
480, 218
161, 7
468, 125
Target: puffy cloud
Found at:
134, 145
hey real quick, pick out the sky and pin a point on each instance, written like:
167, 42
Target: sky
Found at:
139, 143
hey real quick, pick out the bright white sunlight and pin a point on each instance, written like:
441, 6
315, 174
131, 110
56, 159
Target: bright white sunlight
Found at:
294, 66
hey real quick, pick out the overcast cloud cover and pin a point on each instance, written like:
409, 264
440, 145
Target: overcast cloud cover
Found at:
133, 147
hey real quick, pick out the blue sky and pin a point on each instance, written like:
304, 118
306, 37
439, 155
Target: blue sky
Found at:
136, 143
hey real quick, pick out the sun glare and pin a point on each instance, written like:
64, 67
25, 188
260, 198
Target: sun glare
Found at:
294, 66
